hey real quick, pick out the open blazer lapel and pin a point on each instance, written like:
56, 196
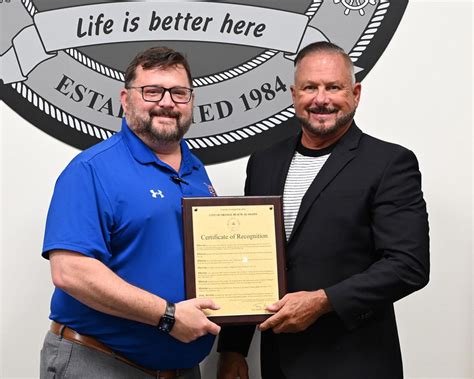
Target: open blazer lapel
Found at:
343, 153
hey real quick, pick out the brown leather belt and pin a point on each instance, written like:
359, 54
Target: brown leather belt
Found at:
73, 336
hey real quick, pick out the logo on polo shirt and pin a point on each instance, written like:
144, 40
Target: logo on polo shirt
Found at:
211, 189
157, 193
63, 63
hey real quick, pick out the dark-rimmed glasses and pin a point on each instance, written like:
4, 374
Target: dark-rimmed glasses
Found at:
153, 94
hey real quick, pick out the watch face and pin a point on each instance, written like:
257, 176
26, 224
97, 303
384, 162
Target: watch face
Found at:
166, 323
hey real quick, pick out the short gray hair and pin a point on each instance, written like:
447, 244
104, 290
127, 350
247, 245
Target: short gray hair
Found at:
326, 47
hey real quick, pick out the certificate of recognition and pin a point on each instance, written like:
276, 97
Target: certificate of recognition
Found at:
234, 255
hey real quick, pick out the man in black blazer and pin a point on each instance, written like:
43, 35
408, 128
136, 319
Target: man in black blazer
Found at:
357, 236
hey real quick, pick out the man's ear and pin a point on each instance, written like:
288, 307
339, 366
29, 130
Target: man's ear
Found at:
123, 99
293, 92
356, 92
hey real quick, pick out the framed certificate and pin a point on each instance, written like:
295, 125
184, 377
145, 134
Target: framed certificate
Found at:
234, 255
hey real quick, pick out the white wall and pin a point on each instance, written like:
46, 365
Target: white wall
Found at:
419, 94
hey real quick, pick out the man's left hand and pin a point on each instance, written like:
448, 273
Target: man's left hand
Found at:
296, 311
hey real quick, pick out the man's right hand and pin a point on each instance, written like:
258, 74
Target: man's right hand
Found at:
191, 322
231, 366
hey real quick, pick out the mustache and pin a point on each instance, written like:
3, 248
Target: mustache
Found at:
164, 113
322, 110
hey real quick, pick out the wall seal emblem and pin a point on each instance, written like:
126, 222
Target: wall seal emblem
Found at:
62, 66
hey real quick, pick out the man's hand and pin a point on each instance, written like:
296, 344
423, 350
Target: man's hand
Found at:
231, 366
191, 322
296, 311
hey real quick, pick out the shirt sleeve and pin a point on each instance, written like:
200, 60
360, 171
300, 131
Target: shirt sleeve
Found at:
235, 338
80, 217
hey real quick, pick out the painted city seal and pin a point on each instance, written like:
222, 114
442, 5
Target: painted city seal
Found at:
62, 63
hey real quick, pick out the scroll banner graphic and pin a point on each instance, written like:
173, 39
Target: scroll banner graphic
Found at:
112, 23
62, 69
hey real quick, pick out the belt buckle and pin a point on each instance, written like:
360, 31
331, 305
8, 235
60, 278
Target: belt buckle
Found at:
168, 374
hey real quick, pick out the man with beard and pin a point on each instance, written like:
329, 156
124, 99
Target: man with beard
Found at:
114, 240
357, 237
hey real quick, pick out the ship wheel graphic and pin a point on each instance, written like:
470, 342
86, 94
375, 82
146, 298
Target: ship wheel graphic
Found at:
355, 5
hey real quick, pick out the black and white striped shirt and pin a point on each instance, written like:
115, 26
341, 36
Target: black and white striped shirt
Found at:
304, 167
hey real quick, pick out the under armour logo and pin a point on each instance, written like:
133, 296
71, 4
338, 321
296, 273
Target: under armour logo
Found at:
155, 194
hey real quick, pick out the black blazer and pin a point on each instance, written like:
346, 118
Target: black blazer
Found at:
361, 234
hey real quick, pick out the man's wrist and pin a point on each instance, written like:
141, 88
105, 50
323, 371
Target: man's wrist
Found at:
325, 304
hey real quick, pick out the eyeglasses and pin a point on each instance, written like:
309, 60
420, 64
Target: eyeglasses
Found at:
180, 95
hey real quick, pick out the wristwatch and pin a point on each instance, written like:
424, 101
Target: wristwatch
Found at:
167, 320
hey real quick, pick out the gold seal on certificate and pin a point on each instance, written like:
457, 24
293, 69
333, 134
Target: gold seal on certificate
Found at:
234, 254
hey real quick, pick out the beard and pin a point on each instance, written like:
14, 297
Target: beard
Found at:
321, 129
143, 127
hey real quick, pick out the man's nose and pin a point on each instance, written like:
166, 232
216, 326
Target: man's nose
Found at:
321, 97
166, 101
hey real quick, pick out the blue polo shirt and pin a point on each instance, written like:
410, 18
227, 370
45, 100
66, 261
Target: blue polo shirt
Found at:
118, 203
